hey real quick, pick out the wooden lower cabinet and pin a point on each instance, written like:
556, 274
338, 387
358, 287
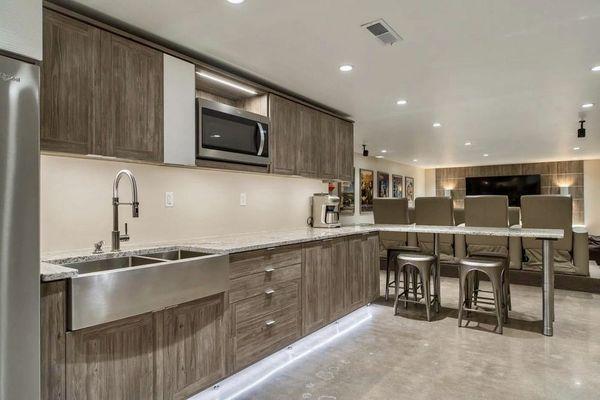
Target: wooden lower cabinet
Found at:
276, 297
190, 347
316, 274
112, 361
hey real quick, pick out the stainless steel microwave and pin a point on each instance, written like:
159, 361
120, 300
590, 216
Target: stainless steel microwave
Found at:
229, 134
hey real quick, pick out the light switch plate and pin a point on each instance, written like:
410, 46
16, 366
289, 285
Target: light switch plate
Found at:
169, 199
243, 200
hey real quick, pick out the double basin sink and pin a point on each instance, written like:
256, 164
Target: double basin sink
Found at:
108, 289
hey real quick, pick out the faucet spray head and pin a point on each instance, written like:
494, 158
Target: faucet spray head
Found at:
135, 209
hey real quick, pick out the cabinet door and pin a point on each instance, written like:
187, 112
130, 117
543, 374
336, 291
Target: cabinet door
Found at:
132, 99
337, 282
69, 79
327, 147
316, 270
370, 249
53, 311
112, 361
355, 275
284, 130
192, 345
345, 149
307, 161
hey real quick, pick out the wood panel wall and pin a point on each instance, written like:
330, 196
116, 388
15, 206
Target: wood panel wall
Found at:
553, 174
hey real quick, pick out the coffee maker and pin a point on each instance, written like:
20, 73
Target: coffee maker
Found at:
325, 211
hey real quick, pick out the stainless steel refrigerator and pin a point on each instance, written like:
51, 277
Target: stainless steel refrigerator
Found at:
19, 230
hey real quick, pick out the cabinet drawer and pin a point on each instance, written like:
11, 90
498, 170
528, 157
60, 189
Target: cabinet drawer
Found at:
259, 337
253, 285
274, 298
252, 262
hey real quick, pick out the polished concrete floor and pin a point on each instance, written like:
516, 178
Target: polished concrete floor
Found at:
397, 357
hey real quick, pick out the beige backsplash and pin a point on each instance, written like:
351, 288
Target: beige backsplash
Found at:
76, 206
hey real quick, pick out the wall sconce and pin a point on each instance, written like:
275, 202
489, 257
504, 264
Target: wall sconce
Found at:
564, 191
448, 193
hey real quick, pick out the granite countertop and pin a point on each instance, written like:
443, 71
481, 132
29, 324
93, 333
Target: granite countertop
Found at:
52, 267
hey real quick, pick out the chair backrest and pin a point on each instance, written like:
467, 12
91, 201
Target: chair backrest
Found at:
486, 211
391, 211
434, 211
514, 216
549, 212
459, 216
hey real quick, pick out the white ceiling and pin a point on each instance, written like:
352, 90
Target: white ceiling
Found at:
507, 75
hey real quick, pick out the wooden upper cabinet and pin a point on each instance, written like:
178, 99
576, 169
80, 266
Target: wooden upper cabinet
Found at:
345, 150
100, 93
327, 147
69, 83
132, 99
307, 161
285, 125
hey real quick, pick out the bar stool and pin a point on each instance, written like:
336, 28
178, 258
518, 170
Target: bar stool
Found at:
423, 266
495, 270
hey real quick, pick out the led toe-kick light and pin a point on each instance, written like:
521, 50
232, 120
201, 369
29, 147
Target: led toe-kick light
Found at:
236, 385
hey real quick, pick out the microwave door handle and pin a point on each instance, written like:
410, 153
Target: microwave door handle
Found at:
262, 139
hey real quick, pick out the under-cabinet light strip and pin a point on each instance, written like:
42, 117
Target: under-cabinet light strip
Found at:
225, 82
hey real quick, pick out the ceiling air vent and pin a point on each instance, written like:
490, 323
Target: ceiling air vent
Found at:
382, 31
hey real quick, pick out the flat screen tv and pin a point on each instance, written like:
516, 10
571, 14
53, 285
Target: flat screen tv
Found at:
513, 186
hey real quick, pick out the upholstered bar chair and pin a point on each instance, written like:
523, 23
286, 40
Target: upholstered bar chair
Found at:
392, 211
435, 211
486, 211
571, 254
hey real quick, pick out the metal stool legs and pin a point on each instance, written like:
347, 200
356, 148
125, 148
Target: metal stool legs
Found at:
413, 267
495, 270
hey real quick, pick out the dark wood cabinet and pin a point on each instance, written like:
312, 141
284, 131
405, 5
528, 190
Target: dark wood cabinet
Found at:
69, 84
327, 147
191, 341
307, 161
285, 125
132, 99
100, 93
112, 361
337, 280
370, 253
345, 150
355, 279
53, 323
316, 275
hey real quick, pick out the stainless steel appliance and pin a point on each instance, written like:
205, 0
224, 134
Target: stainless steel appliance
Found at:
325, 211
19, 230
229, 134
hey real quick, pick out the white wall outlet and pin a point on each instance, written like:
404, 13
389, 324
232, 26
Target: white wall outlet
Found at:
169, 199
243, 200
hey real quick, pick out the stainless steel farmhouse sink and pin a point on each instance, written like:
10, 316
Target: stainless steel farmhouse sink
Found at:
113, 288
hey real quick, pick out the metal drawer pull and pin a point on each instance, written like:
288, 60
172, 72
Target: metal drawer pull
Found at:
269, 269
269, 292
270, 322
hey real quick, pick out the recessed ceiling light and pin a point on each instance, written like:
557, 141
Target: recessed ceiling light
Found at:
346, 68
378, 156
401, 102
225, 82
236, 1
415, 160
384, 151
485, 154
587, 105
468, 143
576, 148
596, 68
436, 124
